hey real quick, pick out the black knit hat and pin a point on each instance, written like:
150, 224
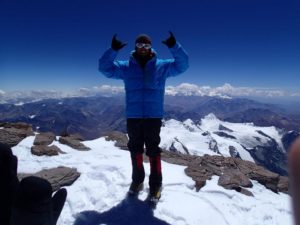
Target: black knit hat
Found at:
143, 38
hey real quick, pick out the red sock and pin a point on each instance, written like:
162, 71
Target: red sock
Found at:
139, 161
155, 164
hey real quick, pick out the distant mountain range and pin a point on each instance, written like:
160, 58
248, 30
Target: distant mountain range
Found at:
93, 116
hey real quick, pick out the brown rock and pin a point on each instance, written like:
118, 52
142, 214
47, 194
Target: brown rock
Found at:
177, 158
283, 184
73, 143
234, 173
58, 177
246, 167
19, 125
40, 150
44, 138
233, 178
77, 137
12, 133
200, 184
198, 173
120, 139
265, 177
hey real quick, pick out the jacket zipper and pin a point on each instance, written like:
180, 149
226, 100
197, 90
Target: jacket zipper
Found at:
143, 94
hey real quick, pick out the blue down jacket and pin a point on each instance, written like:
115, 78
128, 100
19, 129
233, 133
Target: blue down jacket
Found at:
144, 87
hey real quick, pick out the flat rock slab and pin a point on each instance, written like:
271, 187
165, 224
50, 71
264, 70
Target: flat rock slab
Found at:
12, 133
40, 150
233, 173
58, 177
77, 137
120, 139
44, 138
73, 142
17, 125
232, 179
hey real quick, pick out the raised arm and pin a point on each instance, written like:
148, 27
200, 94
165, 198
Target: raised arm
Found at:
180, 63
107, 64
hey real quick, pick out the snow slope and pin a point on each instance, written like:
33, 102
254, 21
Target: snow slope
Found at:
100, 192
197, 138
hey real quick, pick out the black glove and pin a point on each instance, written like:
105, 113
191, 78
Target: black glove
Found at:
34, 203
170, 41
116, 44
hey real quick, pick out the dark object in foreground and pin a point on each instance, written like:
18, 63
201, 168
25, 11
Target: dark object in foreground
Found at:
9, 182
34, 204
294, 166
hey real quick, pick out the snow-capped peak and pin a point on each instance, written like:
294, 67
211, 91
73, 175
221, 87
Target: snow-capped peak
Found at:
211, 116
213, 136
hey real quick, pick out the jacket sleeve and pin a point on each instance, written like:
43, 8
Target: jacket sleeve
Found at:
110, 67
179, 64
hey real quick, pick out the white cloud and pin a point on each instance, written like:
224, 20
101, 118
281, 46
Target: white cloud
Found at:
295, 94
105, 90
2, 92
184, 89
225, 91
187, 89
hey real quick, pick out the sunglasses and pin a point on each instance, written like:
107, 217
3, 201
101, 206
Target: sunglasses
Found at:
143, 45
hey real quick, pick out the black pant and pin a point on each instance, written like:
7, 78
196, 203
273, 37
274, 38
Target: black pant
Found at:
144, 131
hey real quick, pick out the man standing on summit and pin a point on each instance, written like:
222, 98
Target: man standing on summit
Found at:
144, 76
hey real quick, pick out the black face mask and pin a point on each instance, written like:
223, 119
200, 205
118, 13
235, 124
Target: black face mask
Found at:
142, 60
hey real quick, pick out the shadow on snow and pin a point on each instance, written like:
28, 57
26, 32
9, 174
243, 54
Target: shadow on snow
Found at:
130, 211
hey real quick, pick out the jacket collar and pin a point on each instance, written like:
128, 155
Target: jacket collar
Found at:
150, 62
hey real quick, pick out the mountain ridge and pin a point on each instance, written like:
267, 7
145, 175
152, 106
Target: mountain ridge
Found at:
85, 115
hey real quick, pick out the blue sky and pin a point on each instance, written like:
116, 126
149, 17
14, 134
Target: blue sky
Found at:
56, 44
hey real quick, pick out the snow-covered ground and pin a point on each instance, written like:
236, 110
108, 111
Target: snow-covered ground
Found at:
106, 175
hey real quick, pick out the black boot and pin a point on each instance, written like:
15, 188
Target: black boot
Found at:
155, 179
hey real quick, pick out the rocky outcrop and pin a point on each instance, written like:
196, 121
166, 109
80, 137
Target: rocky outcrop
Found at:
58, 177
74, 141
40, 150
224, 134
12, 133
233, 152
213, 145
44, 138
41, 143
233, 173
179, 147
232, 179
221, 127
75, 136
120, 139
283, 184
